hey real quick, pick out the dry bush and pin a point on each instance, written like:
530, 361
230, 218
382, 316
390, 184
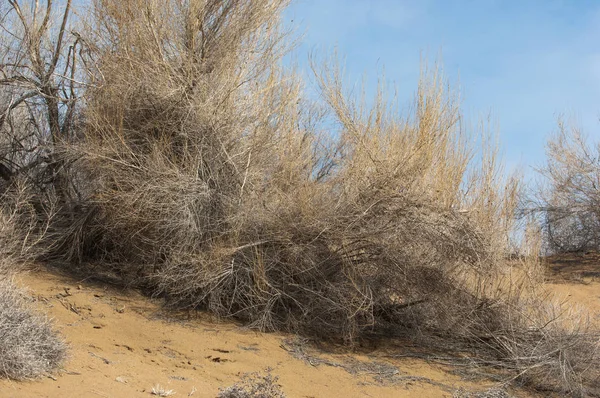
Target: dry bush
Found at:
559, 351
29, 347
548, 345
208, 177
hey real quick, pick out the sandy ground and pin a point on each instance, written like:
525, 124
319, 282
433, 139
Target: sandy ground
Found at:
121, 345
575, 280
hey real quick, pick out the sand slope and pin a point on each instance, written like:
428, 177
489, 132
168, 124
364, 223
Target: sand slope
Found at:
122, 346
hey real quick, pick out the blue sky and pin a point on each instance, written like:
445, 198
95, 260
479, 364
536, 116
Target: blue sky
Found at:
525, 62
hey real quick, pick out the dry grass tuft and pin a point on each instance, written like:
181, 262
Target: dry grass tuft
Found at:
254, 385
29, 347
160, 391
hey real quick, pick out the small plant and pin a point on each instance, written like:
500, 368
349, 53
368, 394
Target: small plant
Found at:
161, 391
254, 385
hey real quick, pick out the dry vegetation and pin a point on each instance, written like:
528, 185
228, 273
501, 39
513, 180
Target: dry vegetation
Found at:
491, 393
29, 347
182, 156
568, 196
254, 386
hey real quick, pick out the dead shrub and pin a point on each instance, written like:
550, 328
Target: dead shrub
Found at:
548, 345
29, 347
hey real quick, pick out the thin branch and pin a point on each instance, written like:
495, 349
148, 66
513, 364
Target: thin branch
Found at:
61, 33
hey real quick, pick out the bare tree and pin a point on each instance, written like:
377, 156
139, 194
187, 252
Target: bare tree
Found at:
39, 89
568, 199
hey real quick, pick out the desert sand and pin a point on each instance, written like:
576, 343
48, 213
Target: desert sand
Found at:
122, 344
